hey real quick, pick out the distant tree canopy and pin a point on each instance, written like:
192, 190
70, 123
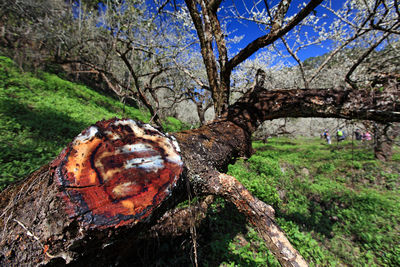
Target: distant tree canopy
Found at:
165, 53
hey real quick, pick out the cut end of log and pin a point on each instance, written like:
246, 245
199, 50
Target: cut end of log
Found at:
116, 172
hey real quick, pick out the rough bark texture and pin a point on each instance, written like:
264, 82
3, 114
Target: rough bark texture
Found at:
205, 19
46, 218
259, 105
177, 222
210, 149
113, 180
385, 136
260, 215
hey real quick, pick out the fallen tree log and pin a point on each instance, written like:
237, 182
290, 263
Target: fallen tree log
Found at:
118, 177
112, 177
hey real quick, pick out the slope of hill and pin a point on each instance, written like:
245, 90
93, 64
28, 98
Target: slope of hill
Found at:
41, 113
337, 204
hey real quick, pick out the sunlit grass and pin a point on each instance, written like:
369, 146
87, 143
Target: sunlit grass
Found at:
336, 203
42, 113
337, 196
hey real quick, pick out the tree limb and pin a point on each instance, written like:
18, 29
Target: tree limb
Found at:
272, 36
259, 214
260, 104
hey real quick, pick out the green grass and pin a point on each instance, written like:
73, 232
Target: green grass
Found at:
337, 204
41, 114
338, 207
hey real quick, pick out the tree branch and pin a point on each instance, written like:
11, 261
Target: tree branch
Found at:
142, 96
259, 214
260, 104
364, 56
294, 55
272, 36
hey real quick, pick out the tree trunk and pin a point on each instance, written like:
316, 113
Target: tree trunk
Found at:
384, 136
119, 176
92, 199
201, 113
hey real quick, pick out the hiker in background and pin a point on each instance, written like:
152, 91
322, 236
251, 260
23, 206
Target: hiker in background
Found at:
367, 136
323, 135
327, 137
340, 135
358, 134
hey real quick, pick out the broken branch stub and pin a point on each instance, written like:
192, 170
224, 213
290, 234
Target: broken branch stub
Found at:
116, 172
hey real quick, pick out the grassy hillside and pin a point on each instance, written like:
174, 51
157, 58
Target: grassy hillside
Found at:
337, 204
41, 113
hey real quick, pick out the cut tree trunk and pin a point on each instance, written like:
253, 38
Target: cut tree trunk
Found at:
97, 194
118, 177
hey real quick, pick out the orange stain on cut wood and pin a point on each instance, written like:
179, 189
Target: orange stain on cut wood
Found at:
128, 204
116, 172
78, 161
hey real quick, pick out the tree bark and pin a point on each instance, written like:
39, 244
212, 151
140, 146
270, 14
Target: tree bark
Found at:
118, 177
113, 180
259, 105
384, 136
208, 28
204, 29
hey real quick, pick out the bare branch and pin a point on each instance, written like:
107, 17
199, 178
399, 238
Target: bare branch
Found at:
272, 36
260, 215
294, 55
364, 56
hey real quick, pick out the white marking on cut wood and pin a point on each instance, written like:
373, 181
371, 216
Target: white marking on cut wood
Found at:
132, 124
122, 189
90, 133
174, 142
149, 163
135, 148
167, 143
174, 158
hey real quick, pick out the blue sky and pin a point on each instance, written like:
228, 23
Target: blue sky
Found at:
252, 32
